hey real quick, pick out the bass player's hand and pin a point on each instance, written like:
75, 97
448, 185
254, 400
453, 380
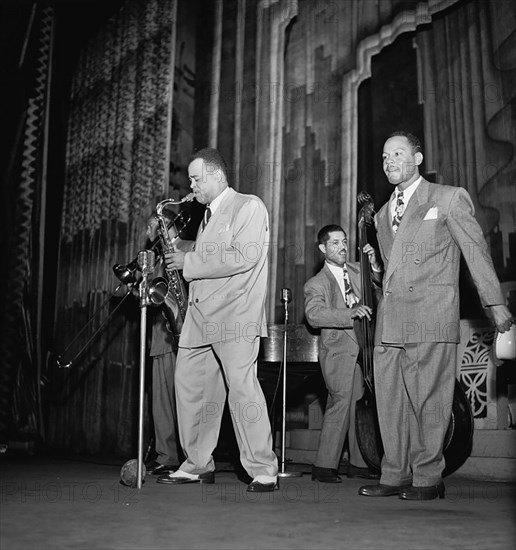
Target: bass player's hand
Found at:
361, 311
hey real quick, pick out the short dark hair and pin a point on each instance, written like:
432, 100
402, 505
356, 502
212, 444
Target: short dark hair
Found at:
213, 157
324, 233
414, 141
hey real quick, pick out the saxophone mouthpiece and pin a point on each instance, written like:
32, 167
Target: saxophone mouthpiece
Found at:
189, 198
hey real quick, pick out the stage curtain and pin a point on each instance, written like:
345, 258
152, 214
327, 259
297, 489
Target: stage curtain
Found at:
467, 87
117, 163
22, 196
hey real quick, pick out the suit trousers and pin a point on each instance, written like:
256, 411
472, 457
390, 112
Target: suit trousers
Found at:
414, 396
345, 388
164, 408
202, 376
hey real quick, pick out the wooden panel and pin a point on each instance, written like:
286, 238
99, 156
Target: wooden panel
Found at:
301, 345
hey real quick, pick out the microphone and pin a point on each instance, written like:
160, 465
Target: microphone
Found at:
146, 261
285, 295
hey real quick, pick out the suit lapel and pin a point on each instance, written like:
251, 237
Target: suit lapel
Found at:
355, 280
412, 219
384, 228
335, 291
219, 218
334, 287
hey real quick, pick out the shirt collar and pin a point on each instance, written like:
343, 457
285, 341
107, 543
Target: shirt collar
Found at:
409, 191
215, 203
335, 269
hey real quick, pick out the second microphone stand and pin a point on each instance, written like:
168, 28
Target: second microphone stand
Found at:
286, 297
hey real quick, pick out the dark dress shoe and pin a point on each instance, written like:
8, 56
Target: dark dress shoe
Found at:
364, 473
155, 468
423, 493
170, 479
381, 490
258, 487
325, 475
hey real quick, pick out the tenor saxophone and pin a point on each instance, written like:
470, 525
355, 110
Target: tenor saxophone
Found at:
170, 292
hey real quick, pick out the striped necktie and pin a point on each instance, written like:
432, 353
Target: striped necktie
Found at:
206, 219
349, 295
398, 212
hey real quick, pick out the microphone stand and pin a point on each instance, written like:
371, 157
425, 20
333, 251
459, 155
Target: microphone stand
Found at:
286, 297
146, 260
127, 275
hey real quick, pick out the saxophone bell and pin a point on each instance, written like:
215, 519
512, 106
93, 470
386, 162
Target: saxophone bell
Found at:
158, 290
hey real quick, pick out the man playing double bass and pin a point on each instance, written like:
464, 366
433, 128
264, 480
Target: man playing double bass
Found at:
332, 304
422, 230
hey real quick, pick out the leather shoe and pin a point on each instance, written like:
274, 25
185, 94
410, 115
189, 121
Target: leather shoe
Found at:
171, 479
423, 493
325, 475
155, 468
382, 490
258, 487
364, 473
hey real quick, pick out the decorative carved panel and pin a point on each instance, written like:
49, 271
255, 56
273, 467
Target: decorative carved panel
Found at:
477, 372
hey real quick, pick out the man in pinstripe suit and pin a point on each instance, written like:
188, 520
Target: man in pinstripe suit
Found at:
332, 303
422, 231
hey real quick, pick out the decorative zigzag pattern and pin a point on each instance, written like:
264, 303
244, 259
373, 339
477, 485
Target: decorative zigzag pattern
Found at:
20, 310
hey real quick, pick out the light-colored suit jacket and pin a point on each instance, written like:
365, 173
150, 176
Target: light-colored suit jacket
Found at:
325, 309
420, 301
228, 274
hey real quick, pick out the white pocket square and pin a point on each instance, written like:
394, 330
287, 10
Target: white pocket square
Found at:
431, 214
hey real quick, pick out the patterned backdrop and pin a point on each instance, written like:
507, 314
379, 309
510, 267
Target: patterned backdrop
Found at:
116, 166
20, 408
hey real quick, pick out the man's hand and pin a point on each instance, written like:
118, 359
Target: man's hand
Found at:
175, 260
359, 312
502, 317
370, 251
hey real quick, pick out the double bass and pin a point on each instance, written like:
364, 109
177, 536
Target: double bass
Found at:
459, 435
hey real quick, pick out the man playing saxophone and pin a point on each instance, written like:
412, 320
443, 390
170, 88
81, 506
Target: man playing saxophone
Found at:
219, 342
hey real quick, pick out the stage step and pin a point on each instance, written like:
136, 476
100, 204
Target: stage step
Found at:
493, 456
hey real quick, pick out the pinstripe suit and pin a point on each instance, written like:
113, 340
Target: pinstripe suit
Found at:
338, 350
418, 325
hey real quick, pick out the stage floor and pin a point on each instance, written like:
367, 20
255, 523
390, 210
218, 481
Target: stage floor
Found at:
56, 503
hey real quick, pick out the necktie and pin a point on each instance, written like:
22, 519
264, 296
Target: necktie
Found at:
398, 212
349, 295
206, 219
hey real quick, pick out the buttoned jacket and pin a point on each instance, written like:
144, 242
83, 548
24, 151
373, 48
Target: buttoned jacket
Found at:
228, 274
420, 299
325, 309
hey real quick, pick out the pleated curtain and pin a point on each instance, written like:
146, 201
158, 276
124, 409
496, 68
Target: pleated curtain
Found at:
117, 161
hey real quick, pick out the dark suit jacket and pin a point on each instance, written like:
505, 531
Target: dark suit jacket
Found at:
420, 301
